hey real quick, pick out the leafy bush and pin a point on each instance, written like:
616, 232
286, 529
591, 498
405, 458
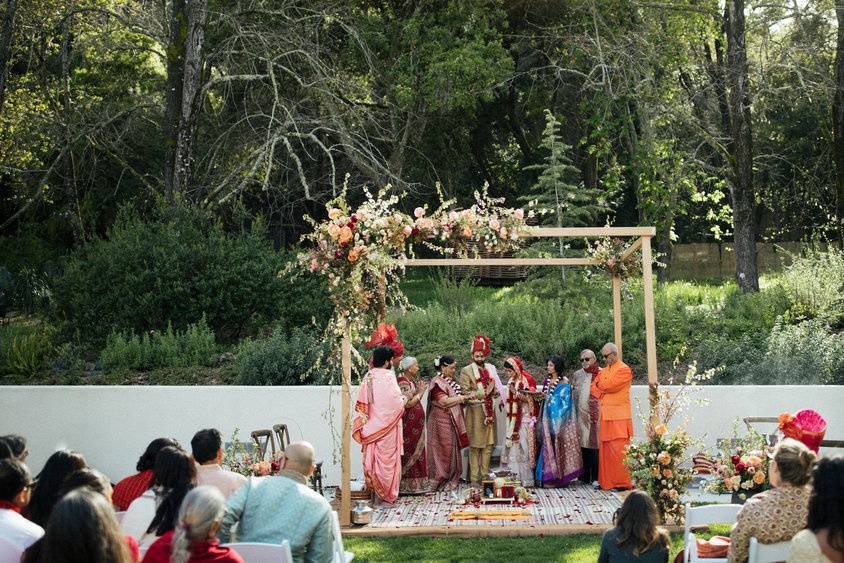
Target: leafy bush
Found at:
195, 346
302, 300
176, 267
283, 359
25, 347
814, 283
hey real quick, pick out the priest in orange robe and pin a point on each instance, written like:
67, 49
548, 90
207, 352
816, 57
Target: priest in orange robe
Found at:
612, 389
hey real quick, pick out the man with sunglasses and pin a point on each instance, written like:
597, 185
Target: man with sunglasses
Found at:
612, 389
16, 532
587, 414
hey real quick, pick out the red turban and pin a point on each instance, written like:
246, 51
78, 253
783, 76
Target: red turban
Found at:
482, 344
386, 335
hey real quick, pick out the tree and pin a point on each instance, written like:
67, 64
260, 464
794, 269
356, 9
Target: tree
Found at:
183, 102
741, 157
838, 118
6, 47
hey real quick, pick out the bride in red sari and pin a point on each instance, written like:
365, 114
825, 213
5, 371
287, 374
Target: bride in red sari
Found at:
414, 466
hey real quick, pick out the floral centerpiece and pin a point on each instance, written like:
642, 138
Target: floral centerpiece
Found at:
655, 464
237, 458
741, 469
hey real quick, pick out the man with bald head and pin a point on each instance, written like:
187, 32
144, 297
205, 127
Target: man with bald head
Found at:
276, 508
612, 389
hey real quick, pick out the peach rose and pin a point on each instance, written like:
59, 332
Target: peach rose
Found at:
419, 212
759, 477
345, 235
333, 231
407, 231
519, 213
504, 232
494, 224
660, 429
467, 232
667, 473
333, 213
354, 254
664, 458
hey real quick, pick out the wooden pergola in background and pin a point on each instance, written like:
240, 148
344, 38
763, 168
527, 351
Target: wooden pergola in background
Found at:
642, 240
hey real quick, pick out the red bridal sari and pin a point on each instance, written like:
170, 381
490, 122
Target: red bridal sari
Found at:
414, 467
377, 427
446, 436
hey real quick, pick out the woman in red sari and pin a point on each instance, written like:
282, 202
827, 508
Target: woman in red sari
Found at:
414, 468
446, 427
520, 437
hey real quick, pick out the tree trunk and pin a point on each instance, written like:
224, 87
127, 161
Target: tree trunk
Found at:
184, 81
743, 198
838, 119
6, 48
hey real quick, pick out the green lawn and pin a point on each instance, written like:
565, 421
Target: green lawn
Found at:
574, 547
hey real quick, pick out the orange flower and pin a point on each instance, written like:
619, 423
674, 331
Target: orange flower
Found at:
353, 254
655, 471
345, 235
667, 473
759, 477
467, 232
660, 429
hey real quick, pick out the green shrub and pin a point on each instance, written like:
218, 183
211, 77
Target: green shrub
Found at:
25, 347
283, 359
195, 346
814, 283
175, 267
302, 299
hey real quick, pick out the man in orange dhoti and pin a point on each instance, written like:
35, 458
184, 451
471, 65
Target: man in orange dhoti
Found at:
377, 426
612, 389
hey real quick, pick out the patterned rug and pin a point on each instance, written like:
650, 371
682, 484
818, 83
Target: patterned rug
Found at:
574, 505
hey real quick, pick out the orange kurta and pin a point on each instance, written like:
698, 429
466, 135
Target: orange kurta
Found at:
612, 389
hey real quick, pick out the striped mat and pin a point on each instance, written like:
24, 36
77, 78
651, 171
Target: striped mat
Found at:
574, 505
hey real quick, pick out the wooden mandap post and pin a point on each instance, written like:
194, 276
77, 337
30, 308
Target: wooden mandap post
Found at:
345, 469
650, 328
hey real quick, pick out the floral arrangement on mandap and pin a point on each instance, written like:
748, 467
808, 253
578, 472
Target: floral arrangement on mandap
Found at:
361, 250
741, 468
609, 253
237, 458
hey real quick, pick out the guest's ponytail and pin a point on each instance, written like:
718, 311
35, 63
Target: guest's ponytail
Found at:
202, 508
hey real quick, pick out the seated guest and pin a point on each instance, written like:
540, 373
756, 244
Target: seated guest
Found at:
823, 539
273, 509
17, 446
207, 446
779, 513
5, 450
16, 532
49, 481
97, 482
83, 529
636, 538
154, 512
195, 536
132, 487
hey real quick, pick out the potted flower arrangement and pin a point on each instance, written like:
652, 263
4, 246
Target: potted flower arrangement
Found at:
741, 469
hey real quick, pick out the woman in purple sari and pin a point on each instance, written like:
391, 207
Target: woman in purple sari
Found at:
559, 459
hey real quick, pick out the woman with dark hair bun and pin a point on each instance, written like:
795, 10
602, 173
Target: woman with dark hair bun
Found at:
559, 460
83, 529
446, 427
636, 536
133, 486
46, 494
154, 513
823, 539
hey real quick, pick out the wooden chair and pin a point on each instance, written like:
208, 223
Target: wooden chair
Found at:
262, 439
283, 436
700, 516
263, 552
767, 553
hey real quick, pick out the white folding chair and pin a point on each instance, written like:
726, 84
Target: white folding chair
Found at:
340, 554
767, 552
263, 552
700, 516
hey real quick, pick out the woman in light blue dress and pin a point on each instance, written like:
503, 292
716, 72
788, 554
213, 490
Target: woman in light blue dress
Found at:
559, 459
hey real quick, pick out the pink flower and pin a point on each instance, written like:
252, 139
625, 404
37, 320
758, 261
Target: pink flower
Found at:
407, 231
494, 224
519, 213
453, 216
419, 212
504, 232
314, 265
333, 231
333, 213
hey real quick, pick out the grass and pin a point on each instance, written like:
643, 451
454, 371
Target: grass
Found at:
573, 547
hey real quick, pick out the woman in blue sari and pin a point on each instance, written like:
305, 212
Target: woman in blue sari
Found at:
556, 432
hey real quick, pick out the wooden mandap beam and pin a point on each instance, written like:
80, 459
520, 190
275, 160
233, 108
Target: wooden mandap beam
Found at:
590, 232
501, 262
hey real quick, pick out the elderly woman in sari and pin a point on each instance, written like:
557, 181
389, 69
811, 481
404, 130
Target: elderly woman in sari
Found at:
559, 455
520, 437
414, 469
446, 427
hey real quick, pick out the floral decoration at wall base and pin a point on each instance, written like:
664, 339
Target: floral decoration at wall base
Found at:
361, 250
741, 466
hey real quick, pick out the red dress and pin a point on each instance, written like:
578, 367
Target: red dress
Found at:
414, 466
208, 550
130, 488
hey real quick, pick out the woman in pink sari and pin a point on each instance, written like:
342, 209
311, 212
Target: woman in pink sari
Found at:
377, 426
446, 427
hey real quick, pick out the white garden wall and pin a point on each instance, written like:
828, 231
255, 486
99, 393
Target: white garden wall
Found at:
111, 426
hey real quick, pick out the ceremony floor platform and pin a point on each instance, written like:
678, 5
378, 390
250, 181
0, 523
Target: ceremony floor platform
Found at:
574, 509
